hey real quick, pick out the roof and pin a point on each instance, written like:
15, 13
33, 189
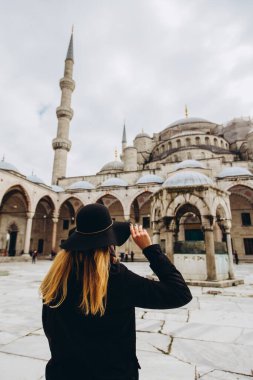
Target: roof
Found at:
33, 178
234, 171
7, 166
81, 185
149, 178
142, 134
70, 52
114, 181
188, 164
57, 189
187, 178
113, 165
188, 120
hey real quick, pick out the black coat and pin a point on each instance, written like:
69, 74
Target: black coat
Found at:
104, 348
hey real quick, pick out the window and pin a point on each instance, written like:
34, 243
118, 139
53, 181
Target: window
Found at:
178, 143
146, 222
65, 224
248, 246
188, 142
197, 140
246, 220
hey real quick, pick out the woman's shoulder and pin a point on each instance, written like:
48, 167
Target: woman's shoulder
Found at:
117, 269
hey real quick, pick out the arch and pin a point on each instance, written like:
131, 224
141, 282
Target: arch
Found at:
169, 145
47, 199
13, 211
215, 142
140, 208
178, 142
114, 206
197, 140
181, 199
18, 188
207, 140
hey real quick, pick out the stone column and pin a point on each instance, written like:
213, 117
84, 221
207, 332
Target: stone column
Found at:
156, 233
54, 233
230, 255
170, 245
28, 231
210, 254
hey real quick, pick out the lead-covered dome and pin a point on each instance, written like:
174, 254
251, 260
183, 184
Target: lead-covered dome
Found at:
7, 166
81, 185
188, 120
141, 135
187, 178
234, 171
114, 181
149, 178
113, 166
189, 164
57, 189
33, 178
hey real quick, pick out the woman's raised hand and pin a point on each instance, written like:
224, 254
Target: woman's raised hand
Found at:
140, 236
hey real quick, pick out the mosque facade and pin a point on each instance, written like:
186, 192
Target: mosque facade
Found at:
190, 186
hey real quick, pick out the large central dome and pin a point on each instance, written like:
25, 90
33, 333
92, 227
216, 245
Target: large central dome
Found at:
188, 124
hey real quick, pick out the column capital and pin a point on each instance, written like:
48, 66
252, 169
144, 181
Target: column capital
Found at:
30, 214
55, 220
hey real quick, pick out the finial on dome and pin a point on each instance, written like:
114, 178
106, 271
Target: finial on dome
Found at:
186, 111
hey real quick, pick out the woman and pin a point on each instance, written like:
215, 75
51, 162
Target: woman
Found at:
89, 299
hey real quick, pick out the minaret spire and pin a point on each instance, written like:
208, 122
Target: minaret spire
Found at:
61, 144
124, 139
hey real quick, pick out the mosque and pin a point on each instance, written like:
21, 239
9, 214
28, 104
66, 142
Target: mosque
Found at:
190, 186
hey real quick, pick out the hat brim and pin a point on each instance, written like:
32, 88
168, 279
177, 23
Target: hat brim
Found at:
117, 234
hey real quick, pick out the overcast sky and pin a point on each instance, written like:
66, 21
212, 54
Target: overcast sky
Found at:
138, 60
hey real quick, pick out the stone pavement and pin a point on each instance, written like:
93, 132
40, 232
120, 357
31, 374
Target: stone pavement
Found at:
209, 339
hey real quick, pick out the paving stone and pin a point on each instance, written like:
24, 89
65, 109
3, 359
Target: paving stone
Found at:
15, 367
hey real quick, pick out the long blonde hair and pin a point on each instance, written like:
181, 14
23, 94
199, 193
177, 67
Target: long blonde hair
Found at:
94, 267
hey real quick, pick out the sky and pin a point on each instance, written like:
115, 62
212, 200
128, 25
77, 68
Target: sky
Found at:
136, 61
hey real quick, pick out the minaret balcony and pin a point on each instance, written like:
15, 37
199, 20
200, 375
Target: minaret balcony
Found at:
67, 83
62, 111
59, 143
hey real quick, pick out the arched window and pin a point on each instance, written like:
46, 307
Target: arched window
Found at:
215, 141
197, 140
178, 143
188, 142
207, 141
176, 158
222, 144
169, 145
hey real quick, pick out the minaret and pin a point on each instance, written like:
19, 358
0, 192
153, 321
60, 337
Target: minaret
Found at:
61, 144
124, 140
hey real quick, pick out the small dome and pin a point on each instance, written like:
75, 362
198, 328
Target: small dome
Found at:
113, 165
142, 134
33, 178
7, 166
185, 179
57, 189
114, 181
234, 171
149, 178
81, 185
189, 164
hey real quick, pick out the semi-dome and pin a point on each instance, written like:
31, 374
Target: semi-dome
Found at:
57, 189
113, 165
81, 185
33, 178
189, 164
7, 166
149, 178
114, 181
187, 178
237, 129
234, 171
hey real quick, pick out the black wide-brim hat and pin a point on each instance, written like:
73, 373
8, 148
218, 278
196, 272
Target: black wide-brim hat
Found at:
96, 229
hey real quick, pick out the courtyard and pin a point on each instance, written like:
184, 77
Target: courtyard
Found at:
209, 339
